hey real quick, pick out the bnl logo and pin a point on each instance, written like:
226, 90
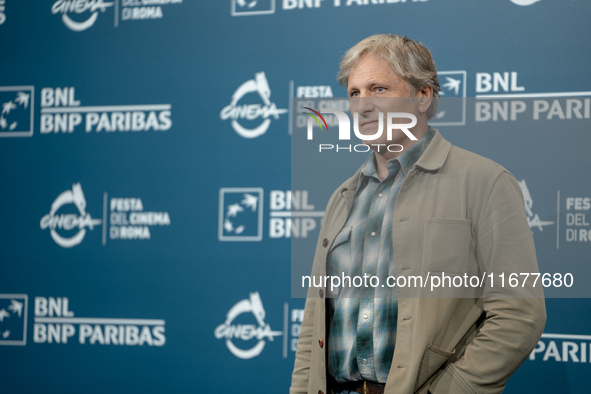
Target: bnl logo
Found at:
16, 111
451, 110
241, 214
252, 7
13, 319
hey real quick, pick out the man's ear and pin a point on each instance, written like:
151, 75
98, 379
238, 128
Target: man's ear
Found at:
425, 96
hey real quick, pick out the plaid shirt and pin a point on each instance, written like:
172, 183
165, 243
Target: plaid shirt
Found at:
363, 329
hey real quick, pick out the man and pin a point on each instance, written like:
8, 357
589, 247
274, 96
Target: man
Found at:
428, 208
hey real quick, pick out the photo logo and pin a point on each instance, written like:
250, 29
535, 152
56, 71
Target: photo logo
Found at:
250, 112
16, 111
69, 221
246, 332
13, 319
252, 7
345, 125
316, 119
532, 220
345, 129
68, 7
241, 214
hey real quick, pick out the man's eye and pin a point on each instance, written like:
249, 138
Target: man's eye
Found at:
354, 94
380, 89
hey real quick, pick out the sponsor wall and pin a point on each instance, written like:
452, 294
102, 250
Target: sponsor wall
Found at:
147, 208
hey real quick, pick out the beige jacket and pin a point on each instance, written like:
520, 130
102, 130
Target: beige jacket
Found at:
456, 212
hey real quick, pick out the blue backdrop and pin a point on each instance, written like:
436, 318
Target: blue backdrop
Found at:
145, 155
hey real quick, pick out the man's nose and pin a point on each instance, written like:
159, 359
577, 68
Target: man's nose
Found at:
365, 104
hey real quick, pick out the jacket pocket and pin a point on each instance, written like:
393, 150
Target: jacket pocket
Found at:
432, 360
447, 245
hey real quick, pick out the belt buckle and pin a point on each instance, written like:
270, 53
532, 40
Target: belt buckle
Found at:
365, 387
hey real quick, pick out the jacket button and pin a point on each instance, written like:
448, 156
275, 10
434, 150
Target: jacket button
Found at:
321, 343
325, 242
321, 293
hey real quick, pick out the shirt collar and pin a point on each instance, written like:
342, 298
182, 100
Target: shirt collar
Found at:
405, 161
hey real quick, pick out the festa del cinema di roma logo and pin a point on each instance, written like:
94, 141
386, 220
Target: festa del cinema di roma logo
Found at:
66, 7
69, 221
127, 219
251, 112
80, 15
246, 332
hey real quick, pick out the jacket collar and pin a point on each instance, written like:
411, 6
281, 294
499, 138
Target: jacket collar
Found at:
435, 154
406, 160
431, 160
349, 188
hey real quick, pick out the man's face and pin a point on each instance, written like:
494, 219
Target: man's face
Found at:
374, 87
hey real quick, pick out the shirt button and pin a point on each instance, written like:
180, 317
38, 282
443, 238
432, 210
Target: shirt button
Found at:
364, 361
380, 195
366, 316
325, 242
373, 233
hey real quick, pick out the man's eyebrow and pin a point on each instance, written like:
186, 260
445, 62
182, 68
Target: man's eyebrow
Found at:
375, 83
385, 83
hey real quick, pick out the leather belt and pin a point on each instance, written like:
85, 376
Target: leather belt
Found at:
362, 387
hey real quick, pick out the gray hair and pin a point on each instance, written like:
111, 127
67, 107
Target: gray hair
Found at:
411, 60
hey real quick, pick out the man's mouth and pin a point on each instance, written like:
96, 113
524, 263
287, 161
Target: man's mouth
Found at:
368, 122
